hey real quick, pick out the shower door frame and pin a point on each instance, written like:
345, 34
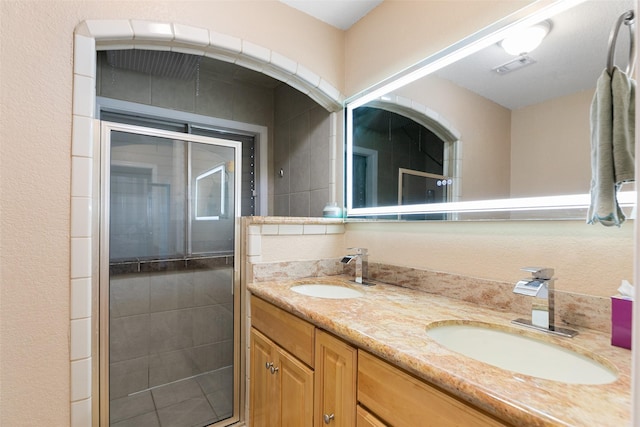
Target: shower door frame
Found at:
101, 306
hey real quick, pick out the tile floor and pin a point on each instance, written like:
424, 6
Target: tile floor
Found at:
193, 402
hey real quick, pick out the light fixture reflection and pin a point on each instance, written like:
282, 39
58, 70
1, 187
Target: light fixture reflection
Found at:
525, 40
566, 201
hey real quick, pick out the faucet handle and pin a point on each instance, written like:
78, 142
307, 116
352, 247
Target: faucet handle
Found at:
540, 272
358, 251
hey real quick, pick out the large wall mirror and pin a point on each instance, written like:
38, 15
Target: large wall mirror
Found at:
475, 132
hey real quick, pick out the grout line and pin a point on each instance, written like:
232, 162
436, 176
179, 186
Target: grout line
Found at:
176, 381
217, 417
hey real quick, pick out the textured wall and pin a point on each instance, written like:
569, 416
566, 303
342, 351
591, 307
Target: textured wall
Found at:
36, 134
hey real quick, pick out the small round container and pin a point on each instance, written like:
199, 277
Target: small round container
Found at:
331, 210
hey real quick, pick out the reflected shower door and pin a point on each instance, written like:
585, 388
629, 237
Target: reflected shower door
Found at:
169, 273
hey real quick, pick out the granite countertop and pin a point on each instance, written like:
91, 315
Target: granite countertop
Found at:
390, 321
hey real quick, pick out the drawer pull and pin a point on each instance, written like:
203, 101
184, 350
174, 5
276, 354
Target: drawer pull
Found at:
268, 365
328, 418
273, 369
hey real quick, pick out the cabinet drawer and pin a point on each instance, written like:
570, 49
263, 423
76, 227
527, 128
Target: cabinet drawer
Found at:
365, 419
291, 333
403, 400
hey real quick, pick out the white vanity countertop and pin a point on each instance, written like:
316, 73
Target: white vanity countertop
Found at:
390, 321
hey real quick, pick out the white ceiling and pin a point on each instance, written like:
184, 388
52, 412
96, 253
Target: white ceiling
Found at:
341, 14
570, 58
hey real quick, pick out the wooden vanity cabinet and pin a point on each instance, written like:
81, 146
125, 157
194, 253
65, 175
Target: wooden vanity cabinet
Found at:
281, 386
284, 388
281, 368
349, 387
401, 399
335, 382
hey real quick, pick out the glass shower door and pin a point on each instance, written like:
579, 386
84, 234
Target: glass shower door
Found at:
169, 310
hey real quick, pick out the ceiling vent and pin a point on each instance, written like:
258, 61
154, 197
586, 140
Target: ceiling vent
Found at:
156, 62
514, 64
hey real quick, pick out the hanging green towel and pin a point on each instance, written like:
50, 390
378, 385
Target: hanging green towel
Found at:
612, 145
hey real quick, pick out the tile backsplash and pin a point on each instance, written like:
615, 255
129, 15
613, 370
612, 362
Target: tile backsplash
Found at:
586, 311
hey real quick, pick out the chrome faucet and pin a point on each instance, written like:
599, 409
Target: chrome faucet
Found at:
541, 286
361, 257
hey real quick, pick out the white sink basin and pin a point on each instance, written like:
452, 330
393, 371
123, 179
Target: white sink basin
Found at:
326, 291
518, 353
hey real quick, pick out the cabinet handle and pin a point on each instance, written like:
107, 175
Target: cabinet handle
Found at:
268, 365
328, 418
273, 369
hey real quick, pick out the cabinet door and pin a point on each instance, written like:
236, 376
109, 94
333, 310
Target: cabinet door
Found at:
262, 387
335, 387
295, 392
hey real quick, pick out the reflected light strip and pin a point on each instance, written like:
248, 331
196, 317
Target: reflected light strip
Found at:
349, 159
470, 45
571, 201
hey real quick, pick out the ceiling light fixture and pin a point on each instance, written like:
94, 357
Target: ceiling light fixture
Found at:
526, 40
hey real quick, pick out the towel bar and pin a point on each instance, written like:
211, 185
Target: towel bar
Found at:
628, 18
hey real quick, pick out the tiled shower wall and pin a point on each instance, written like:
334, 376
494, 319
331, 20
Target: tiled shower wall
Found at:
301, 155
168, 326
302, 133
215, 93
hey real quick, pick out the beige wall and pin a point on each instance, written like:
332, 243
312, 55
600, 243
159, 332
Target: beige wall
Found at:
302, 248
36, 94
587, 259
551, 141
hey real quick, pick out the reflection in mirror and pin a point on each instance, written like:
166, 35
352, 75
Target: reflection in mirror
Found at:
210, 194
503, 132
392, 146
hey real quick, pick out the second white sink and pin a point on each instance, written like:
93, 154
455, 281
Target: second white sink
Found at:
518, 353
326, 291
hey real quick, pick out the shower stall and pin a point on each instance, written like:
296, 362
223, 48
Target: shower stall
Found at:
169, 278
